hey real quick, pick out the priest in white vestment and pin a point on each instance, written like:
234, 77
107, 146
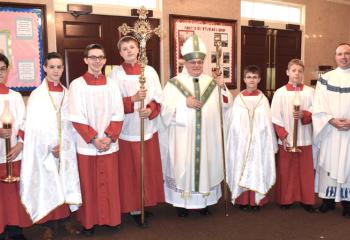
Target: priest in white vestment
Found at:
331, 119
191, 145
251, 145
50, 178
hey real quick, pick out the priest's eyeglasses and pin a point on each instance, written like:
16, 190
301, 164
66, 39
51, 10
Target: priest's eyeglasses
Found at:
95, 58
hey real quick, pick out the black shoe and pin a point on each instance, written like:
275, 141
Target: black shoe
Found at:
346, 209
182, 212
243, 207
18, 237
205, 211
88, 232
137, 219
285, 206
327, 204
255, 208
308, 207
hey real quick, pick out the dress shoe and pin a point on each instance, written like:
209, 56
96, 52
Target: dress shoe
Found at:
346, 214
285, 206
243, 207
255, 208
182, 212
327, 204
48, 234
137, 220
308, 207
71, 229
18, 237
87, 232
205, 211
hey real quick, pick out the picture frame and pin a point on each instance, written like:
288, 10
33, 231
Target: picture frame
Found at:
23, 40
182, 26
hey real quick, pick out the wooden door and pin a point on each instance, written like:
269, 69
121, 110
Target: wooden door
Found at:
271, 50
75, 33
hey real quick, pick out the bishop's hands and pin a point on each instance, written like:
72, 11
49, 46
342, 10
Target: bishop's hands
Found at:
217, 78
342, 124
192, 102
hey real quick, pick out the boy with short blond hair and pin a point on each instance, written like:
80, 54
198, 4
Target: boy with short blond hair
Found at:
295, 170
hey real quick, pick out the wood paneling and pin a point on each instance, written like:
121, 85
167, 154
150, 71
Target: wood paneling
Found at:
74, 34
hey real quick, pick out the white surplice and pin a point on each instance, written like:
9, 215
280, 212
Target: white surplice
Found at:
46, 181
282, 108
251, 146
332, 100
95, 106
178, 145
128, 86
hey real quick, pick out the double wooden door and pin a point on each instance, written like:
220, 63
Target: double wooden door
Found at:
75, 33
270, 49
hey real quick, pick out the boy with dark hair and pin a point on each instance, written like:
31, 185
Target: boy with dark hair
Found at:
251, 145
49, 152
97, 113
13, 216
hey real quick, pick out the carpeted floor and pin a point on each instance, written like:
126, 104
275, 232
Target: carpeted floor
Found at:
270, 223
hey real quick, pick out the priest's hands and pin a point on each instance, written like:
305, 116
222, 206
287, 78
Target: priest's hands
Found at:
102, 144
56, 151
5, 133
14, 151
285, 144
140, 95
342, 124
145, 112
192, 102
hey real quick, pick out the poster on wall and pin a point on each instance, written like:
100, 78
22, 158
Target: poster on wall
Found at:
22, 29
209, 30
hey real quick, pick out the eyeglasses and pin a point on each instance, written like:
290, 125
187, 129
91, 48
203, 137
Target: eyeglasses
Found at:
194, 62
95, 58
252, 77
3, 69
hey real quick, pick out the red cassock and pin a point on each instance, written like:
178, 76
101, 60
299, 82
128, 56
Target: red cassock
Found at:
130, 161
12, 211
295, 171
130, 174
248, 198
99, 183
99, 179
